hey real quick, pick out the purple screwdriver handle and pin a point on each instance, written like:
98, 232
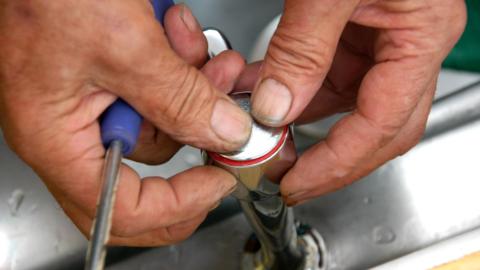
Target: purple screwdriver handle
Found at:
120, 121
160, 7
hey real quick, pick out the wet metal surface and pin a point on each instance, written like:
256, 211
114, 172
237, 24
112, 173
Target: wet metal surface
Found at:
34, 231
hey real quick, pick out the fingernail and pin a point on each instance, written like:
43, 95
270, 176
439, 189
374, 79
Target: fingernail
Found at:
187, 17
271, 102
231, 123
231, 190
231, 187
297, 197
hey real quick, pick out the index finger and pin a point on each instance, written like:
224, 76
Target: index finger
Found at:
142, 205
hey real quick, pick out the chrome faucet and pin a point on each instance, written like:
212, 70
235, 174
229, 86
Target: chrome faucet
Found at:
259, 166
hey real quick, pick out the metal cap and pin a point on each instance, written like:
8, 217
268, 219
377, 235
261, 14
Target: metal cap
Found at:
264, 142
217, 42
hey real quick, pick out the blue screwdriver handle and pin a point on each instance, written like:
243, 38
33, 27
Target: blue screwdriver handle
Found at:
160, 7
120, 122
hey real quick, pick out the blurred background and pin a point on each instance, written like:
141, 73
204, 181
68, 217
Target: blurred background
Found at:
422, 205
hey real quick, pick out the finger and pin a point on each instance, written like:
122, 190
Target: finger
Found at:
169, 93
351, 62
298, 58
224, 69
185, 35
248, 77
328, 101
164, 236
408, 137
154, 203
386, 102
158, 237
154, 146
187, 40
146, 205
339, 91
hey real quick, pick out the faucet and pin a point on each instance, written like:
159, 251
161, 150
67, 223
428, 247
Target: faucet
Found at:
279, 243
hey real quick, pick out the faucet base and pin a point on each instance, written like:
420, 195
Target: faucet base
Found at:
309, 240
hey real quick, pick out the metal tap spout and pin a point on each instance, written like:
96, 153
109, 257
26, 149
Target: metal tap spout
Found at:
259, 166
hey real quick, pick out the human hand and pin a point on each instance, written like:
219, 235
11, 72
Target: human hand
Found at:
378, 59
64, 62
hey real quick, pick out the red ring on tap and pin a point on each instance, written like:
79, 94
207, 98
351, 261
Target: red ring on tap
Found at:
236, 163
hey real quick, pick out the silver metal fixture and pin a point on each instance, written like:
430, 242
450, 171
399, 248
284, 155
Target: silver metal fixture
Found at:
217, 42
259, 166
454, 110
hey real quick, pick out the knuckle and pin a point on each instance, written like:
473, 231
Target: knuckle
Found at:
386, 132
172, 237
124, 224
414, 138
301, 53
383, 131
189, 100
417, 135
121, 231
453, 19
460, 18
343, 169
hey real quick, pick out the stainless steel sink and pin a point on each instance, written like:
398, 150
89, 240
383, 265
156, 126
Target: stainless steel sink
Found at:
418, 200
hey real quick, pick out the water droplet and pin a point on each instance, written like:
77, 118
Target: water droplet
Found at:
383, 235
58, 241
176, 254
367, 200
56, 246
15, 201
33, 208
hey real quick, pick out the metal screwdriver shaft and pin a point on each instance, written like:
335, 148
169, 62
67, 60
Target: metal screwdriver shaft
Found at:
103, 221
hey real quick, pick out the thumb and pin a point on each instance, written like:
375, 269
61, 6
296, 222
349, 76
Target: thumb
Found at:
173, 95
298, 58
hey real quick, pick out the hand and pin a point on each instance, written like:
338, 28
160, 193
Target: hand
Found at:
378, 59
64, 62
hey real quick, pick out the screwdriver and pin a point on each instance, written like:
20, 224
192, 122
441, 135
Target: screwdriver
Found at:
120, 127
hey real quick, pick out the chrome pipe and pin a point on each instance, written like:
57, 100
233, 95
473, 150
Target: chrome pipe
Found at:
259, 167
454, 110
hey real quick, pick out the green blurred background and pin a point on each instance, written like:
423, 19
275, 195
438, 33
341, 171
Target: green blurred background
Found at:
466, 54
